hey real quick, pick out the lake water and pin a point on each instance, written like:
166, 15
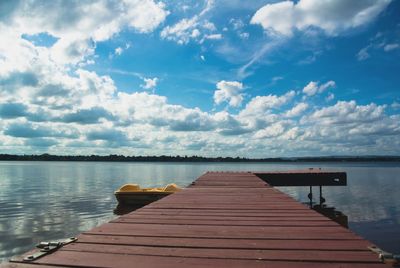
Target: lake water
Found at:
41, 201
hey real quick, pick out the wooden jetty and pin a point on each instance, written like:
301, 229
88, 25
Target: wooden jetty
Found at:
223, 219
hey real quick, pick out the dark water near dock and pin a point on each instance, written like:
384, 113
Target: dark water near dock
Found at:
42, 201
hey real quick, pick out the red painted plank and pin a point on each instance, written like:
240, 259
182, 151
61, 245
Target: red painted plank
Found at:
226, 218
213, 198
225, 223
269, 232
359, 245
25, 265
86, 259
226, 206
229, 213
277, 255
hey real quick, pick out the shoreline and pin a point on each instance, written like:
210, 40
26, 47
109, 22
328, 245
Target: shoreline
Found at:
195, 159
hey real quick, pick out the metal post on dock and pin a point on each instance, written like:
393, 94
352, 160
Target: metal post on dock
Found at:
310, 196
321, 199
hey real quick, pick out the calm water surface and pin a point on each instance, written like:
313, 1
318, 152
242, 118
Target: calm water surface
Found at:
41, 201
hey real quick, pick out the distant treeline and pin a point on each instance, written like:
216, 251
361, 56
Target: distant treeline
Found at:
166, 158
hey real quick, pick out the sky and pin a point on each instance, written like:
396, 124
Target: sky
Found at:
210, 78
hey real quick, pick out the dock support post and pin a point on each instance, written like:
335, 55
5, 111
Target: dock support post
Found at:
321, 199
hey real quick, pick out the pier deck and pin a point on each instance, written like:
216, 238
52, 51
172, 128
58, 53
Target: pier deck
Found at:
222, 220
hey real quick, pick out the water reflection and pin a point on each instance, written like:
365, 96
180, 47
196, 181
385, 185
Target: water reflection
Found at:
333, 214
42, 201
125, 209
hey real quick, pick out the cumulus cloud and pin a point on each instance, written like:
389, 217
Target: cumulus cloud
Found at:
154, 110
297, 110
314, 88
78, 25
274, 130
348, 112
332, 17
229, 91
351, 128
262, 105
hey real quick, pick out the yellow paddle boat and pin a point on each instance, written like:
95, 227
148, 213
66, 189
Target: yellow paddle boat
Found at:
133, 195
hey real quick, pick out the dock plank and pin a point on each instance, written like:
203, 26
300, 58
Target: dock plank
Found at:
214, 222
89, 259
270, 232
224, 253
218, 218
360, 245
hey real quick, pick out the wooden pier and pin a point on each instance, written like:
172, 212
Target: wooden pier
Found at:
223, 219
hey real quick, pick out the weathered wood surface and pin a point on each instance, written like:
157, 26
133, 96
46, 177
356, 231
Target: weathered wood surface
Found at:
221, 220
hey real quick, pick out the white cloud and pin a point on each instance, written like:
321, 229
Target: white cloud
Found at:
330, 97
71, 51
229, 91
213, 36
259, 53
311, 88
274, 130
297, 110
190, 29
146, 15
363, 54
150, 83
261, 105
348, 112
332, 17
276, 79
244, 35
390, 47
314, 88
118, 51
310, 58
377, 43
278, 17
181, 32
196, 28
237, 24
79, 25
292, 134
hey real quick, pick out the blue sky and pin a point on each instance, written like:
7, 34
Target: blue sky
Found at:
210, 78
